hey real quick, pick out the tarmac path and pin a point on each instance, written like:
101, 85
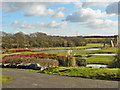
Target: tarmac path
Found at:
29, 79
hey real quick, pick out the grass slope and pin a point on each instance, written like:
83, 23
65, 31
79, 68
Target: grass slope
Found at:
97, 59
90, 45
92, 73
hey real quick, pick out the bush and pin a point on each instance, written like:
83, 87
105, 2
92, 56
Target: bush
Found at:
81, 62
93, 73
62, 60
20, 50
41, 61
116, 63
70, 60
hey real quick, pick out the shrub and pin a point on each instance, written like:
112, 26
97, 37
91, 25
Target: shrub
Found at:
70, 60
20, 50
62, 60
93, 73
28, 58
81, 62
41, 61
40, 55
116, 63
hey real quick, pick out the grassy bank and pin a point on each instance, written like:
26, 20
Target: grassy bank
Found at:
97, 59
106, 50
5, 79
92, 73
90, 45
81, 52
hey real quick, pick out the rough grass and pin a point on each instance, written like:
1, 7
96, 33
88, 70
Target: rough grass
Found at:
80, 52
97, 59
5, 79
106, 50
92, 73
90, 45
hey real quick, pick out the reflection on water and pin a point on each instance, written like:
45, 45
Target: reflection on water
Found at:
91, 49
104, 54
62, 50
96, 65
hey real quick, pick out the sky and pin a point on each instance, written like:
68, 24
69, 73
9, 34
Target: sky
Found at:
61, 18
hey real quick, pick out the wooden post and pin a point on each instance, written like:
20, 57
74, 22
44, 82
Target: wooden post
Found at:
112, 44
117, 40
104, 45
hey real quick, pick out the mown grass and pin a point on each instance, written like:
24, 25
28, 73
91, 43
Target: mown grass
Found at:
106, 50
92, 73
5, 79
97, 59
90, 45
96, 45
81, 52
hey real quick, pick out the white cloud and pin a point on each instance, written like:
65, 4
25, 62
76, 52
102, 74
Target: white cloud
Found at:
59, 14
29, 8
86, 15
100, 24
89, 3
39, 11
100, 3
40, 25
92, 18
113, 8
33, 8
54, 24
78, 4
61, 9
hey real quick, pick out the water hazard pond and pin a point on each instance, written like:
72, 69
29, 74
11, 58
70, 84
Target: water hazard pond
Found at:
103, 54
96, 65
62, 50
91, 49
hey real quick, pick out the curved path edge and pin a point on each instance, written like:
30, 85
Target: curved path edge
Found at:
29, 79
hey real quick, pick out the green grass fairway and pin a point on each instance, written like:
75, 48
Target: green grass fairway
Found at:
106, 50
97, 59
90, 45
92, 73
80, 52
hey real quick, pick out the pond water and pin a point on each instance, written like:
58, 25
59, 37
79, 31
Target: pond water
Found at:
96, 65
104, 54
62, 50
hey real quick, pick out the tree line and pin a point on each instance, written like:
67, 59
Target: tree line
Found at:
115, 36
38, 39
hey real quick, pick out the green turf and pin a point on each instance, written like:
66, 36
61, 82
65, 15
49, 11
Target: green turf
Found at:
90, 45
97, 59
106, 50
93, 73
80, 52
